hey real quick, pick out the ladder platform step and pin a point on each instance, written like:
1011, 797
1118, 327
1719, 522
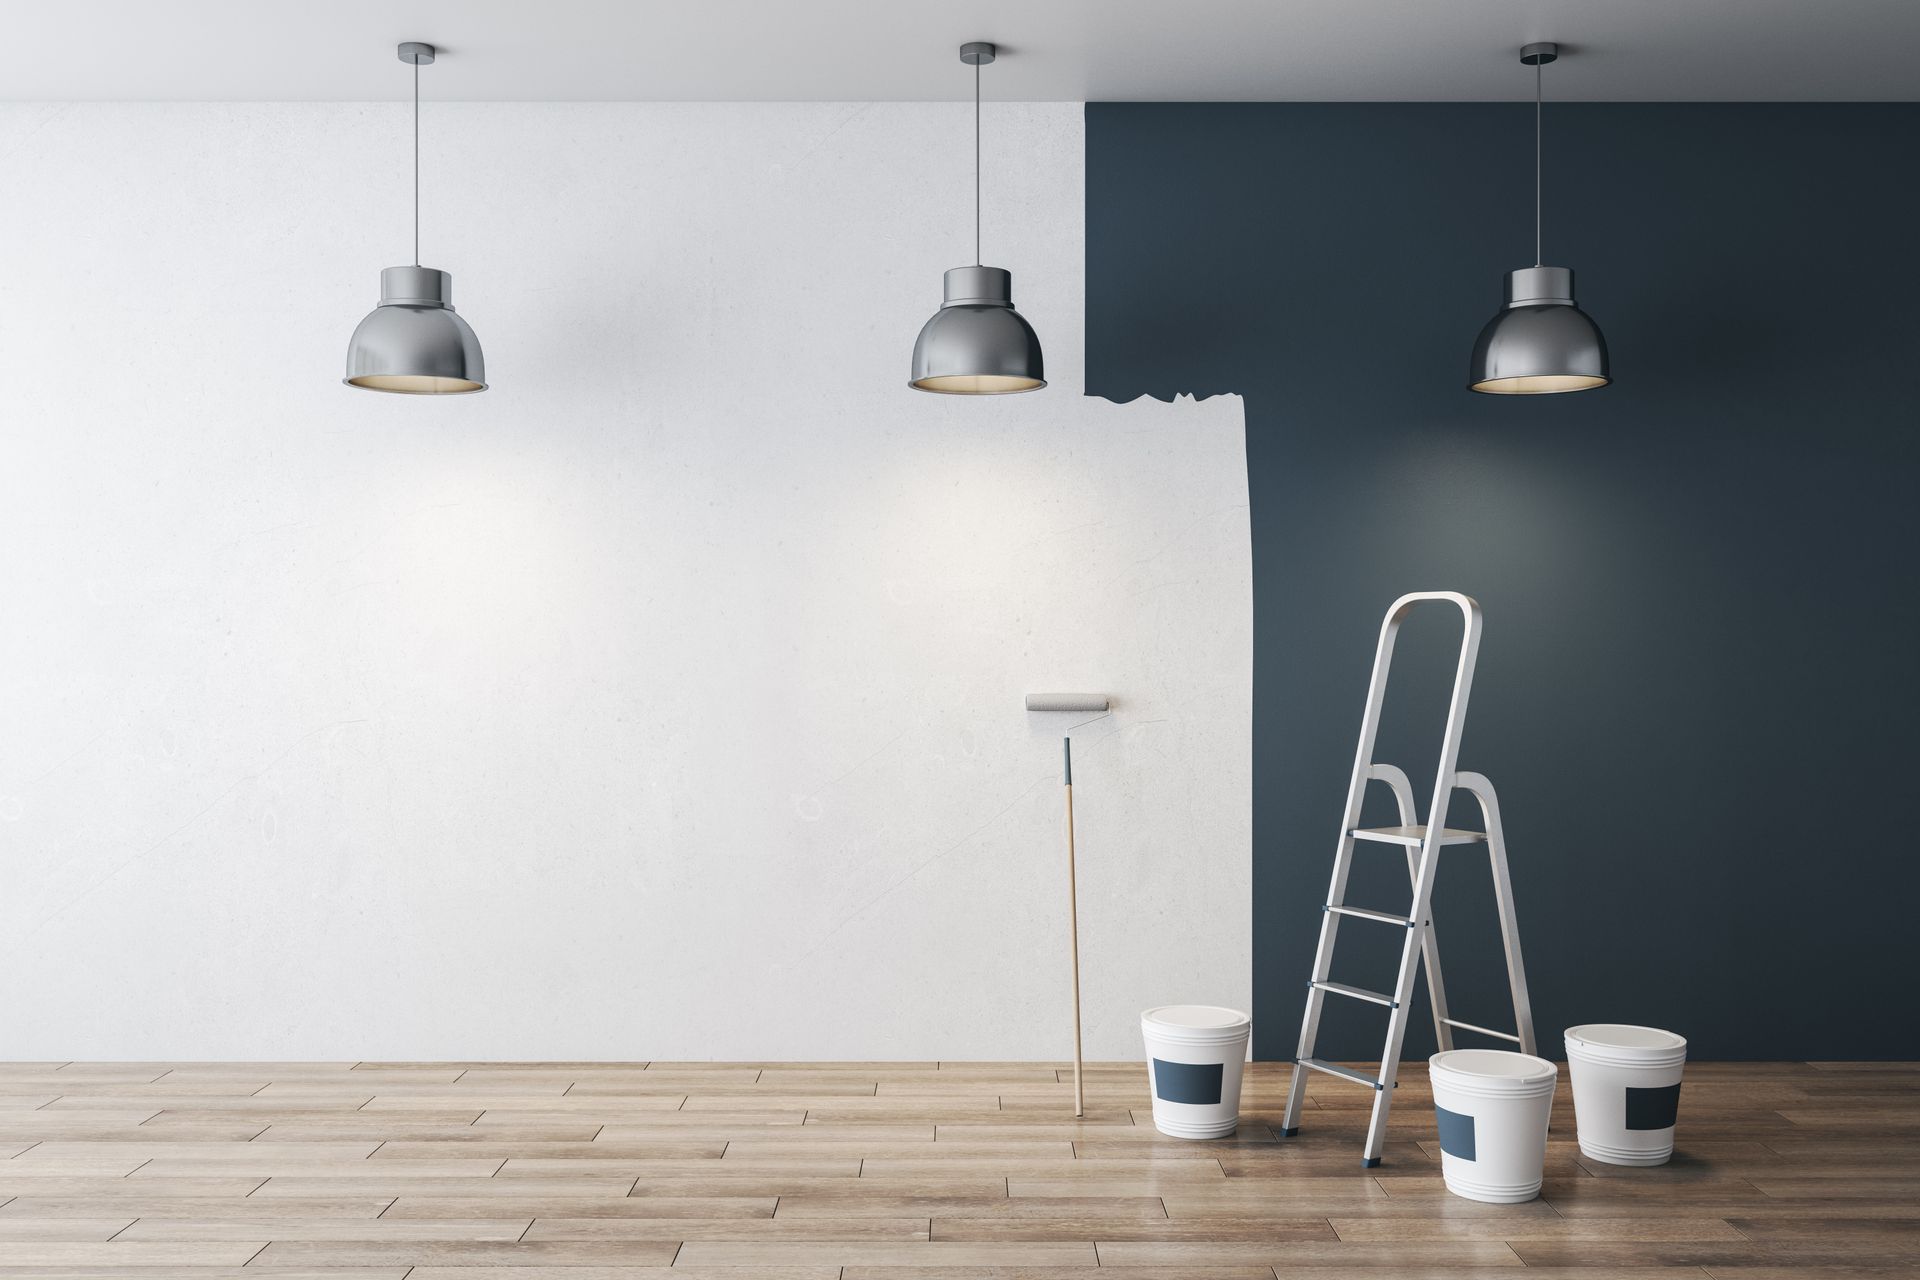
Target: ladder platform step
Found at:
1362, 913
1357, 993
1414, 837
1335, 1069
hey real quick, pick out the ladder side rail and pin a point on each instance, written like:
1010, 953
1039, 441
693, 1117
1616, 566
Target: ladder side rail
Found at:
1430, 960
1342, 859
1482, 789
1444, 777
1443, 786
1370, 717
1402, 994
1316, 996
1397, 779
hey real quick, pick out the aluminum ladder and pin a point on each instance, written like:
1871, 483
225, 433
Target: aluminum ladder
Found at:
1422, 844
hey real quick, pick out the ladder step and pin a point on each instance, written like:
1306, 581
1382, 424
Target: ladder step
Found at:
1485, 1031
1414, 837
1362, 913
1335, 1069
1358, 993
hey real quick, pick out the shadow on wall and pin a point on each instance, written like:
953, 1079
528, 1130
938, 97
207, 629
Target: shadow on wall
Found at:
1698, 623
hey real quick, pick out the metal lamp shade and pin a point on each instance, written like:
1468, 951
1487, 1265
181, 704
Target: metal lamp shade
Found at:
412, 343
976, 344
1540, 342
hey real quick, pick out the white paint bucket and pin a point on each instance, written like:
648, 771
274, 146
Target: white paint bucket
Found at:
1194, 1056
1626, 1091
1492, 1107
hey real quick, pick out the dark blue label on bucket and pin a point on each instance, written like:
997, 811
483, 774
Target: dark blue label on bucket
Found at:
1456, 1133
1653, 1108
1194, 1082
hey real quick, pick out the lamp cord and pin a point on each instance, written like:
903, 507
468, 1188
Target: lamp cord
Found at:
1536, 164
976, 164
416, 161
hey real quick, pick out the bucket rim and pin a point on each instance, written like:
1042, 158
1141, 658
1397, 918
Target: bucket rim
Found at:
1160, 1017
1625, 1040
1482, 1067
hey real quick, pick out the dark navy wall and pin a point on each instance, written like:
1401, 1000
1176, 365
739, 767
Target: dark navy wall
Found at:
1697, 689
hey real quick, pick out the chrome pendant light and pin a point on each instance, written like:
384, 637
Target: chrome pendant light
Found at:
1539, 342
413, 344
977, 344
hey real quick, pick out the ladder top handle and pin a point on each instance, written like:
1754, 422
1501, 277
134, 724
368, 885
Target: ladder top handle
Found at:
1383, 656
1468, 606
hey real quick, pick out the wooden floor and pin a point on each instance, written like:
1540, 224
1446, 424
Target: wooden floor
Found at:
935, 1171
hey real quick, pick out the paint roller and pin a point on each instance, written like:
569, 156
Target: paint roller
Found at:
1095, 705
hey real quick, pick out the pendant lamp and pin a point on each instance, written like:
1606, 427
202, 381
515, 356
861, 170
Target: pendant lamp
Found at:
413, 344
1539, 342
977, 344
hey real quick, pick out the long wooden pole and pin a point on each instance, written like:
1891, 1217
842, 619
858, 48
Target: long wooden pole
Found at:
1073, 931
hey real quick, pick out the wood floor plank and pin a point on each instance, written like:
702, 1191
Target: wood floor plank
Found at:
490, 1145
1072, 1130
1895, 1271
834, 1105
205, 1273
852, 1143
32, 1165
576, 1207
557, 1104
609, 1273
623, 1123
1142, 1185
759, 1127
1288, 1200
325, 1229
1022, 1253
20, 1227
117, 1188
706, 1170
460, 1088
1102, 1227
1768, 1209
1534, 1228
1131, 1144
126, 1256
224, 1207
400, 1184
1000, 1208
1866, 1185
196, 1151
404, 1129
46, 1123
527, 1066
471, 1253
1046, 1170
737, 1229
1714, 1254
1904, 1230
1068, 1273
856, 1188
1301, 1253
343, 1117
286, 1160
74, 1105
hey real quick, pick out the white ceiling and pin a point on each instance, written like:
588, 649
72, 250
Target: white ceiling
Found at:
890, 50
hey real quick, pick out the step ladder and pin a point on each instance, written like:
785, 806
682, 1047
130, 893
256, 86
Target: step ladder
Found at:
1422, 845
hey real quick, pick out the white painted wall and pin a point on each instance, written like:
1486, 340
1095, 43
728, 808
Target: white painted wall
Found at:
662, 702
